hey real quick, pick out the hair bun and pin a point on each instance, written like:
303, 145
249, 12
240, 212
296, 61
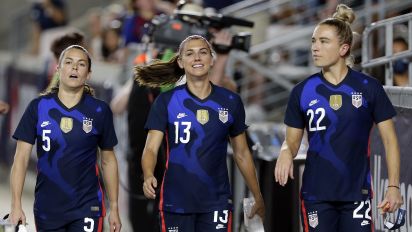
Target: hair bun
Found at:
344, 13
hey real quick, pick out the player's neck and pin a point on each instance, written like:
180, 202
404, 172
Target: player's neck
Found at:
200, 88
335, 74
69, 98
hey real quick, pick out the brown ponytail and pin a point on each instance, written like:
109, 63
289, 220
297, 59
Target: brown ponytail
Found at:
162, 73
159, 73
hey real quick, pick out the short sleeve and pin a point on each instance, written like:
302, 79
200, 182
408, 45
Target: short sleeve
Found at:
383, 108
157, 119
26, 129
108, 137
238, 125
293, 115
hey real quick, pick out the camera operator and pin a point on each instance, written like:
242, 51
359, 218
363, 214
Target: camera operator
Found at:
221, 38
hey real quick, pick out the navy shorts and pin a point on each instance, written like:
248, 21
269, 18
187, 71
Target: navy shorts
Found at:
87, 224
322, 216
200, 222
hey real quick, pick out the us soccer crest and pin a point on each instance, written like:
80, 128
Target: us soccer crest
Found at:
202, 116
223, 115
313, 219
357, 99
87, 125
66, 124
335, 101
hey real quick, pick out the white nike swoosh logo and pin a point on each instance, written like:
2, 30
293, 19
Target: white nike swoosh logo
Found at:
313, 102
364, 223
45, 123
181, 115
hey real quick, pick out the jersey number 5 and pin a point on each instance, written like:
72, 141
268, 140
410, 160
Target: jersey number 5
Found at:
46, 140
316, 126
186, 132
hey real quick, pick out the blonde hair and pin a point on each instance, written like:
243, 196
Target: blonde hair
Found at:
53, 87
341, 20
161, 73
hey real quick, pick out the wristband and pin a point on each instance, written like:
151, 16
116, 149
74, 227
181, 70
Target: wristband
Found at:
393, 186
221, 49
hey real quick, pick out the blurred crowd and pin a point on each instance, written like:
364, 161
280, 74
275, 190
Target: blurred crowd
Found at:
111, 30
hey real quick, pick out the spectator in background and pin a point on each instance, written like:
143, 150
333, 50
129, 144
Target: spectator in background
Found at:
4, 107
142, 12
94, 31
46, 14
111, 42
400, 67
104, 26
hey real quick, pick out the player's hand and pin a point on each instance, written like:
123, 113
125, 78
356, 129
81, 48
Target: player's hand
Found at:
4, 107
284, 167
114, 221
17, 215
258, 208
149, 186
392, 201
222, 37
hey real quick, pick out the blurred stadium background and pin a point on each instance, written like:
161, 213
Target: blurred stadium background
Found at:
278, 58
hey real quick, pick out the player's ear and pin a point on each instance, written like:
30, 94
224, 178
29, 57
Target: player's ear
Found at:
212, 62
89, 75
179, 62
344, 49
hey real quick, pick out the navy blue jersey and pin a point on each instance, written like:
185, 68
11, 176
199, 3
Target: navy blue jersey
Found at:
196, 177
67, 184
338, 120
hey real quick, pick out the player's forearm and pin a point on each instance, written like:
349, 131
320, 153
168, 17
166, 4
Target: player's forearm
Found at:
17, 177
292, 141
248, 170
291, 150
390, 142
111, 180
393, 161
18, 172
149, 160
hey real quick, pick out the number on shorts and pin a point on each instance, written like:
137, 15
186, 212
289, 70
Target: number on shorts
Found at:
221, 219
356, 213
91, 225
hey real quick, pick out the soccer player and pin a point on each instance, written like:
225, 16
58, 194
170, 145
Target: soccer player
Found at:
198, 119
69, 125
338, 107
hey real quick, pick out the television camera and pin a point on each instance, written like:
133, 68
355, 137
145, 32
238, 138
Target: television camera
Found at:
169, 31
